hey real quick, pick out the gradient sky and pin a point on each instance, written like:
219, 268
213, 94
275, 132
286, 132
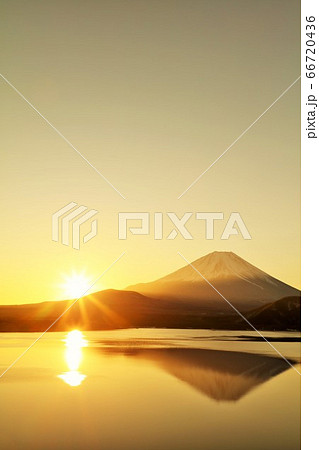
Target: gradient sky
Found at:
151, 92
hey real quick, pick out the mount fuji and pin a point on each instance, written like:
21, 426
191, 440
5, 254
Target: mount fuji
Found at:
199, 295
241, 283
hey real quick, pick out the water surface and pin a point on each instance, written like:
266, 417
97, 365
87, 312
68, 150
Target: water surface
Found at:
150, 389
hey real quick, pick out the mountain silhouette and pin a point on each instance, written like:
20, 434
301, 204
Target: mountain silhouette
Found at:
108, 310
243, 284
180, 300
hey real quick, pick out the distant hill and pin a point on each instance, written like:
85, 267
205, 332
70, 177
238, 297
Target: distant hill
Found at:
243, 284
112, 309
284, 313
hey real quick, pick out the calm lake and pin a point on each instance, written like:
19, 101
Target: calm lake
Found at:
150, 389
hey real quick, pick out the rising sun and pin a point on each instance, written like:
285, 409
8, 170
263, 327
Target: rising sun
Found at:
76, 285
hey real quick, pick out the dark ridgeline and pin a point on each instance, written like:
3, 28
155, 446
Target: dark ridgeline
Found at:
124, 309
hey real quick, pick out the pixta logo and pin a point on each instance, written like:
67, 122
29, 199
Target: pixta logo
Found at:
72, 217
177, 226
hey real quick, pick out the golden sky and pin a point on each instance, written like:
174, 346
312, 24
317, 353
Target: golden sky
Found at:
151, 92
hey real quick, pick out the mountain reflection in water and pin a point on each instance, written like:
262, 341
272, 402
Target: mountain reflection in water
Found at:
221, 375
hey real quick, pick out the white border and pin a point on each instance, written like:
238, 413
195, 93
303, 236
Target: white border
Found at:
310, 244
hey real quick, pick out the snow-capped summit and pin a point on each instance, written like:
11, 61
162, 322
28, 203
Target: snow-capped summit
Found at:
217, 265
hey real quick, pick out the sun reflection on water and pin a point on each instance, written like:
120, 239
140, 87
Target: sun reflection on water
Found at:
73, 357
